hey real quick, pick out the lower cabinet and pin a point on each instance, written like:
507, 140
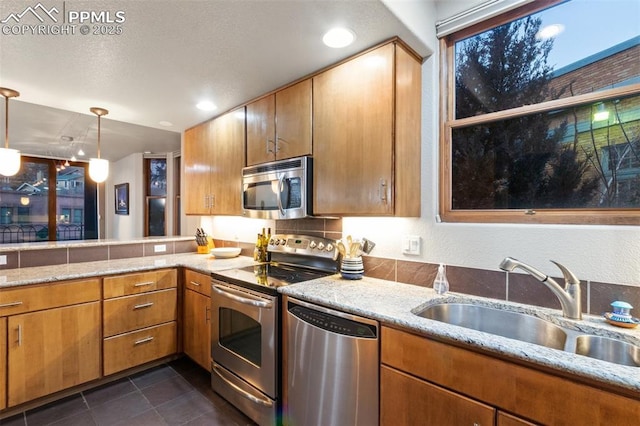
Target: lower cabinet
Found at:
139, 319
441, 382
52, 350
197, 318
3, 363
428, 404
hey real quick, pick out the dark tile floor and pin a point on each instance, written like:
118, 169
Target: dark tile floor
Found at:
177, 393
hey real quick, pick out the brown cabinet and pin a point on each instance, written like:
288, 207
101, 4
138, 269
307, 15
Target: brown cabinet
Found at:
3, 363
279, 125
529, 395
428, 404
139, 319
197, 318
213, 158
366, 135
52, 337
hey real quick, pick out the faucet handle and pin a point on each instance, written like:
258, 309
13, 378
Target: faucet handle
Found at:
569, 277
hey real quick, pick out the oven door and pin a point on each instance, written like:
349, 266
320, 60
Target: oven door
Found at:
243, 337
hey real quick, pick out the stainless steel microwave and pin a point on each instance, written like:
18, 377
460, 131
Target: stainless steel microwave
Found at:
278, 190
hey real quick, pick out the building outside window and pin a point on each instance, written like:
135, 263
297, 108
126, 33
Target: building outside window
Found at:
29, 210
542, 118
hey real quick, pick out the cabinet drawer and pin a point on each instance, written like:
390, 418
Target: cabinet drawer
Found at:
137, 347
129, 313
198, 282
18, 300
123, 285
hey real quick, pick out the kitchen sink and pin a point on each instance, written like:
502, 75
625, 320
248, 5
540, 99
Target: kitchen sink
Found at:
531, 329
607, 349
513, 325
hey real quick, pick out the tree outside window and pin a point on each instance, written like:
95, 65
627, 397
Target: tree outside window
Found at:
524, 137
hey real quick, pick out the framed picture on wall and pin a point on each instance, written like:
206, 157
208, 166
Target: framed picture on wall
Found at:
122, 198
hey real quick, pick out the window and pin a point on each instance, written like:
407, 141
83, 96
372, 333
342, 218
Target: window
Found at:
542, 116
29, 209
155, 196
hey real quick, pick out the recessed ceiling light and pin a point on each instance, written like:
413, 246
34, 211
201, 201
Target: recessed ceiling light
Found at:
165, 123
339, 37
206, 106
549, 31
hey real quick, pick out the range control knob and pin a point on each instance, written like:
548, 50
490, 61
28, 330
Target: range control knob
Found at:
320, 246
272, 241
276, 241
329, 247
312, 244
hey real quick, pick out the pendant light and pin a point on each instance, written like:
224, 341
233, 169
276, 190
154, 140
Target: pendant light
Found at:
9, 158
98, 167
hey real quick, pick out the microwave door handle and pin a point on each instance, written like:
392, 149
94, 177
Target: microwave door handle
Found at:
280, 189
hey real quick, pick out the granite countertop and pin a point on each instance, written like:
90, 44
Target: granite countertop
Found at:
389, 302
393, 304
204, 263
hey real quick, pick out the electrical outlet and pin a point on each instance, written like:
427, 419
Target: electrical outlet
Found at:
3, 259
411, 245
159, 248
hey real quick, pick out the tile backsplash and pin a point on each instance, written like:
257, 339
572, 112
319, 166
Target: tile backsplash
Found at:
515, 287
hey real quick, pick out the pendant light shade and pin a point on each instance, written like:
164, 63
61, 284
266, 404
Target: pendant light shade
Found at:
98, 167
9, 158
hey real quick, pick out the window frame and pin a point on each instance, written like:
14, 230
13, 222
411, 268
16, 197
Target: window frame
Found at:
448, 122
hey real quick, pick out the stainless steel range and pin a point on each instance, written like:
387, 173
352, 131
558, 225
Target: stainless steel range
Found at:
246, 330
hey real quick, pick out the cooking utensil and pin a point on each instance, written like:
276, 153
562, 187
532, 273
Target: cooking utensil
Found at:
341, 248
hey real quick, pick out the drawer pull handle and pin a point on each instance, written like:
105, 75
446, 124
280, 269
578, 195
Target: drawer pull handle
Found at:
10, 304
144, 283
195, 283
145, 340
19, 334
143, 305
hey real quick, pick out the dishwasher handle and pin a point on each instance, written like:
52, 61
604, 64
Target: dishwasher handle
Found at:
333, 321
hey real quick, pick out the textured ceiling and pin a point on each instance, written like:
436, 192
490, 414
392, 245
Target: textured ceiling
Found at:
170, 55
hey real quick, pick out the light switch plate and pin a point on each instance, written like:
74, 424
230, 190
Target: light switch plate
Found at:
3, 259
411, 245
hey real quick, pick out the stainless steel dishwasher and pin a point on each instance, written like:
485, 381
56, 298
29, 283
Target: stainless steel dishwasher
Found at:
332, 367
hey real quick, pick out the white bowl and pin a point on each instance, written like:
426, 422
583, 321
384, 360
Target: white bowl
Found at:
225, 252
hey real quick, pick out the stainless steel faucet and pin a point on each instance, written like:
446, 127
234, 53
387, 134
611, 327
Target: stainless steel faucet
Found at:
569, 296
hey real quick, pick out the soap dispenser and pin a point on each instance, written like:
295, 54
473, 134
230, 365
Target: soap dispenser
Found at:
440, 284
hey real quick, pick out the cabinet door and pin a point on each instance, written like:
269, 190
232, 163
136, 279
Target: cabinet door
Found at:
405, 400
52, 350
353, 136
228, 134
293, 121
196, 157
261, 131
197, 328
3, 363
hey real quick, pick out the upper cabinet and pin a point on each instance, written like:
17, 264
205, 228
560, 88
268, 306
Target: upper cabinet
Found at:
213, 160
279, 125
366, 135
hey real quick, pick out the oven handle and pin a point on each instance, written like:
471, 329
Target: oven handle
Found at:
247, 299
265, 402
